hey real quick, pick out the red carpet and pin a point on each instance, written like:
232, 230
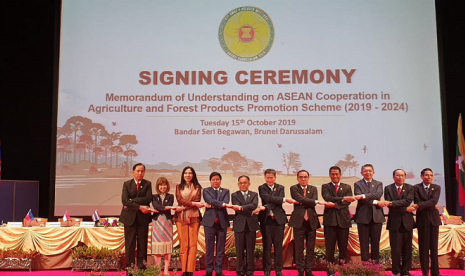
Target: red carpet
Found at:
290, 272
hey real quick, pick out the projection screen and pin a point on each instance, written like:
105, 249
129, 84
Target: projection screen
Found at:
241, 86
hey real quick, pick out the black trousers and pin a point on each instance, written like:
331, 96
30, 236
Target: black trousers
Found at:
273, 235
136, 234
245, 240
401, 250
369, 234
307, 235
211, 234
333, 235
428, 239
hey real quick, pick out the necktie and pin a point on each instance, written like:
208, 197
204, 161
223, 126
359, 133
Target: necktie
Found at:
216, 194
368, 184
336, 187
245, 197
138, 183
398, 191
426, 190
305, 195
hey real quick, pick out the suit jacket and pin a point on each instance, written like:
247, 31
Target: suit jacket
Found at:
340, 215
157, 205
397, 212
307, 204
245, 216
272, 200
366, 211
217, 211
427, 213
132, 199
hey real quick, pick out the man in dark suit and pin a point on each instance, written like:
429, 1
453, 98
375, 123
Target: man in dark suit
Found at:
136, 215
336, 217
245, 225
369, 214
215, 222
428, 221
399, 195
304, 220
272, 220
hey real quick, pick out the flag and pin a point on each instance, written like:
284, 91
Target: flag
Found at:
96, 216
459, 164
29, 216
445, 213
66, 216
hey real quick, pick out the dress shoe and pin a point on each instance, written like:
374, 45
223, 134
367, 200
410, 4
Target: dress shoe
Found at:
208, 274
279, 273
309, 273
267, 273
406, 274
219, 274
300, 273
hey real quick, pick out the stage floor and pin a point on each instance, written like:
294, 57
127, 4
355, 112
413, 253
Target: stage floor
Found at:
286, 272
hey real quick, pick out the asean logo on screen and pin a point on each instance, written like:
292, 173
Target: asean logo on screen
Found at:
246, 34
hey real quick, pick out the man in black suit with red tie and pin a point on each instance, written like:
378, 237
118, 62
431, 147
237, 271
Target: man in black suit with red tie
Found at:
272, 220
136, 215
245, 225
304, 220
399, 195
215, 222
369, 214
428, 221
336, 217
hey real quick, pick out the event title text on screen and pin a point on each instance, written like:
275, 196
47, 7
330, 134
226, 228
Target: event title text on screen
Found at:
246, 77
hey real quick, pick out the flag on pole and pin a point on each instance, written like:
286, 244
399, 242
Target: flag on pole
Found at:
459, 162
96, 216
29, 216
445, 213
66, 216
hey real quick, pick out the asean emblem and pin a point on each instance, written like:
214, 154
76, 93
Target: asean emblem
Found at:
246, 33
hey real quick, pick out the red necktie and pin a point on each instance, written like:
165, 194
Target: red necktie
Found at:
138, 183
336, 186
398, 191
305, 195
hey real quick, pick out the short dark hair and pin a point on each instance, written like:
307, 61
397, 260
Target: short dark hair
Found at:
367, 165
242, 176
303, 171
335, 168
426, 169
160, 181
215, 174
394, 172
138, 164
267, 171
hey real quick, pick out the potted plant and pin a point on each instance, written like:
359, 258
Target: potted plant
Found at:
175, 262
416, 259
91, 257
357, 268
231, 255
385, 258
17, 258
150, 270
258, 256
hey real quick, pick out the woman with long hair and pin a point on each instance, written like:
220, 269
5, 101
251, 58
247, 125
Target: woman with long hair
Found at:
188, 218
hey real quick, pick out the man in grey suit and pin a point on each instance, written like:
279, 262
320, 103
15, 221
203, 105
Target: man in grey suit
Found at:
245, 225
336, 217
369, 214
304, 220
399, 195
428, 221
215, 222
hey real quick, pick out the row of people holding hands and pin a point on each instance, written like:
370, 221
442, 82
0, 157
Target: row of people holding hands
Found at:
270, 219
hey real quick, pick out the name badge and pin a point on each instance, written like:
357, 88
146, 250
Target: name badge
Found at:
14, 224
87, 224
53, 224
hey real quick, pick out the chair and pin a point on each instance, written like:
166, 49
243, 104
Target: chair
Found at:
76, 222
40, 222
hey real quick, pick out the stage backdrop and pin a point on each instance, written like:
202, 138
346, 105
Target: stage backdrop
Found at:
241, 86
